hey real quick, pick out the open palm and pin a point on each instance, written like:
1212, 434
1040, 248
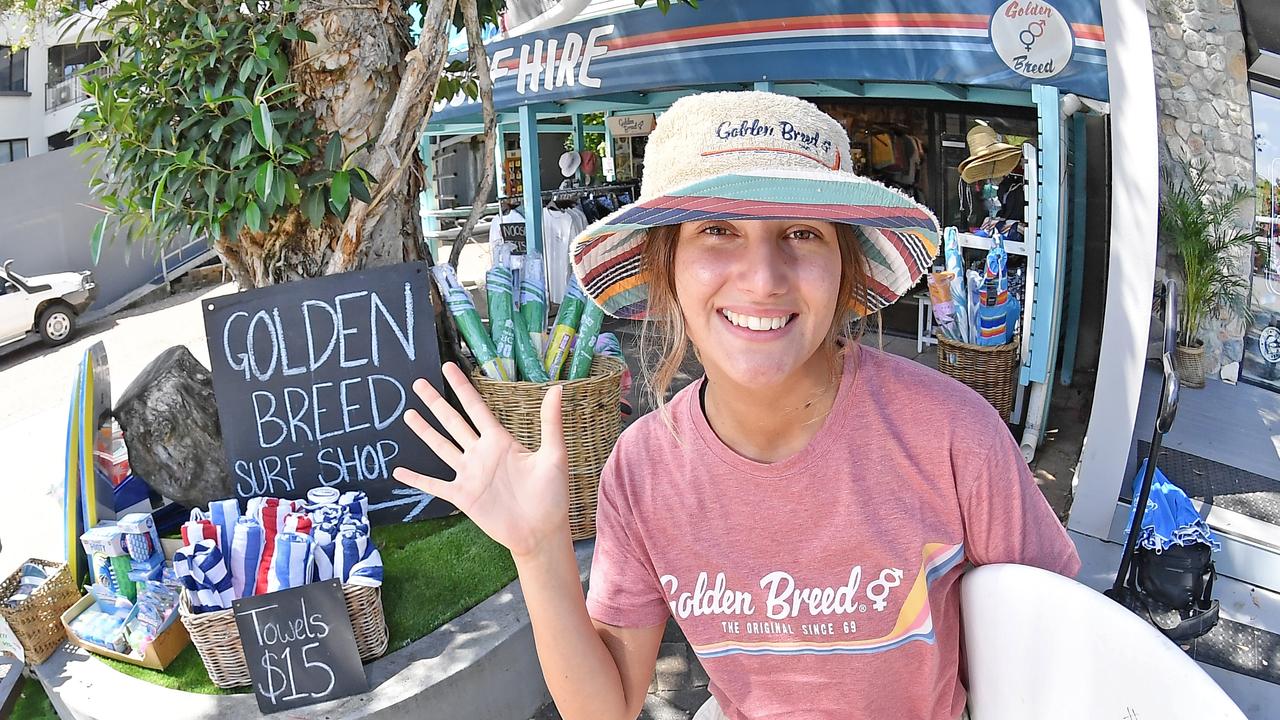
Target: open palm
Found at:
517, 497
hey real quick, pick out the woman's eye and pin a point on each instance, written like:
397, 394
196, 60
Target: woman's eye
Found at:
715, 230
804, 235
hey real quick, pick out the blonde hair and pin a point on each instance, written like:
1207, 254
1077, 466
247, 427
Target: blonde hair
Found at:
664, 341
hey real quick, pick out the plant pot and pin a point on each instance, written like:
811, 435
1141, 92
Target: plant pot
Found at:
1189, 362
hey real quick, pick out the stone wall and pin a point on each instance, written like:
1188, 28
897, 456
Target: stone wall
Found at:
1205, 116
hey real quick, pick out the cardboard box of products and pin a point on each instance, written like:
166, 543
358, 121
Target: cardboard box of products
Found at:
159, 653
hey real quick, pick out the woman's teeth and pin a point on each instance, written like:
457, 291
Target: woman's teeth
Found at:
752, 322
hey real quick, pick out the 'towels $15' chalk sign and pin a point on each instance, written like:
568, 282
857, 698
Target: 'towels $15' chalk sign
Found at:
299, 646
312, 378
1032, 38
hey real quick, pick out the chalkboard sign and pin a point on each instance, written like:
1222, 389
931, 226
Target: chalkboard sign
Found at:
299, 646
514, 233
312, 378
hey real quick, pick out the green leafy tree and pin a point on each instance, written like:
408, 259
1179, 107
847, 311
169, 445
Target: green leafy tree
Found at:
286, 131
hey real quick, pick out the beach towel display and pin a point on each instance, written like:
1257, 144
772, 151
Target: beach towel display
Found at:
199, 527
280, 543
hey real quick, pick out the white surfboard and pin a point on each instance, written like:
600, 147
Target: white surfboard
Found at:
1039, 645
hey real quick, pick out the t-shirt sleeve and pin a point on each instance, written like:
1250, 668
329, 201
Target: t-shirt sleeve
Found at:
1006, 517
624, 589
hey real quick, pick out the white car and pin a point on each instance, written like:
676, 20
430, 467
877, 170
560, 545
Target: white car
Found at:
42, 306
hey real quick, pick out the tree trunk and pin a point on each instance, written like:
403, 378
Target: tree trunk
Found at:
363, 80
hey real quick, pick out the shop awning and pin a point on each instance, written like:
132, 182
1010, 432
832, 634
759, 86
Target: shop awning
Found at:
957, 44
1262, 38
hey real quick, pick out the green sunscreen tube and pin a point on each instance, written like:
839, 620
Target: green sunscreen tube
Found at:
500, 288
527, 360
585, 347
565, 328
458, 300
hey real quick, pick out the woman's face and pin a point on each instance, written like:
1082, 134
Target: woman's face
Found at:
758, 296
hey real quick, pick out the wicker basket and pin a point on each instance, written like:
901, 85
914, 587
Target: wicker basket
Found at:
37, 621
1189, 362
218, 641
592, 423
987, 369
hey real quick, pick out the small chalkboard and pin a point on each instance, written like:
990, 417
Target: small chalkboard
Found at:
299, 646
312, 378
513, 233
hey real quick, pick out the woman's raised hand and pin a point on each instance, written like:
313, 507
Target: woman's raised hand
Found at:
517, 497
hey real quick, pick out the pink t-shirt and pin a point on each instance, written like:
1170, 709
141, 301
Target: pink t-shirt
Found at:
824, 585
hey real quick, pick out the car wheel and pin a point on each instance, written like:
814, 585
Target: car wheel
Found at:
57, 323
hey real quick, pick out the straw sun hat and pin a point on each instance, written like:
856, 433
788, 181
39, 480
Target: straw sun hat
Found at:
989, 158
753, 156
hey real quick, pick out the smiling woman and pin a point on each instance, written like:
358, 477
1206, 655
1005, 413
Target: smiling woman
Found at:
805, 509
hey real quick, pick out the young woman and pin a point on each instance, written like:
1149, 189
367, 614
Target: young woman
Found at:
806, 509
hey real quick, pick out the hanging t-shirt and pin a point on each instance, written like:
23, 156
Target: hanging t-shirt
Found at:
559, 228
824, 585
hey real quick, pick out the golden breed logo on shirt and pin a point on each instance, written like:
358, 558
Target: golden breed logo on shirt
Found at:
832, 609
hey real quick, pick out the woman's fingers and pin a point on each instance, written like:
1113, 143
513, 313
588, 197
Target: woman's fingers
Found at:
453, 423
439, 444
470, 399
552, 420
427, 484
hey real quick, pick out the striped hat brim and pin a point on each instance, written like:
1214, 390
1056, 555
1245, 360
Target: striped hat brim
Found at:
899, 236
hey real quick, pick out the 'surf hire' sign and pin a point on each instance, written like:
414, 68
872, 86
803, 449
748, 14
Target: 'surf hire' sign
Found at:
312, 378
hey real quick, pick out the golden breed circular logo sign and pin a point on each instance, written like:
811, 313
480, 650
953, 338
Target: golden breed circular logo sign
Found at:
1032, 38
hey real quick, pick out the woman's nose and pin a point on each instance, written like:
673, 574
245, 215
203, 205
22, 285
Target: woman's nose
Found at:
763, 269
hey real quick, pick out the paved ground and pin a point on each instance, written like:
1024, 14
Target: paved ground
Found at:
35, 384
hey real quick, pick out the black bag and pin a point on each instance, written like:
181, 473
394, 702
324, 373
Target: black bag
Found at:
1176, 586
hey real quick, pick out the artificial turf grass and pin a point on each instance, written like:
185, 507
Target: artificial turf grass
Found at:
33, 703
433, 571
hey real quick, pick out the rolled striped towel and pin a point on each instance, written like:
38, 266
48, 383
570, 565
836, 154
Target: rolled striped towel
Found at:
246, 553
224, 514
355, 559
204, 575
298, 522
270, 514
326, 521
291, 563
198, 528
355, 502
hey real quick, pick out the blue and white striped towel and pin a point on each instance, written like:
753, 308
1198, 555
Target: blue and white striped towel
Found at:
326, 521
204, 575
355, 502
292, 563
355, 559
246, 553
224, 514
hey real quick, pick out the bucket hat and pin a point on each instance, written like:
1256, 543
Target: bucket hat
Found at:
989, 158
753, 156
569, 163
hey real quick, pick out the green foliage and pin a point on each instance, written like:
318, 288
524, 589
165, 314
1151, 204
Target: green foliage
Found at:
198, 125
1201, 224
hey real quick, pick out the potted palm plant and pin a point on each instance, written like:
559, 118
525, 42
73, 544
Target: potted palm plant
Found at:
1200, 224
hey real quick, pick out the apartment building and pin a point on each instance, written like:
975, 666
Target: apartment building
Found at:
40, 91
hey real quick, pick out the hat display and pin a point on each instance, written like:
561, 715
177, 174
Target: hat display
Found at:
569, 163
989, 158
590, 162
754, 156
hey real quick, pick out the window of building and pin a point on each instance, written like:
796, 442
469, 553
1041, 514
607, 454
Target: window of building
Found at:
58, 141
67, 60
13, 70
11, 150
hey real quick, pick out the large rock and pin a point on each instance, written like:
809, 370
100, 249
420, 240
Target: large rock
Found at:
170, 422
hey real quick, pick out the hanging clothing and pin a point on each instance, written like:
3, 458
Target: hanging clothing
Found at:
495, 229
559, 228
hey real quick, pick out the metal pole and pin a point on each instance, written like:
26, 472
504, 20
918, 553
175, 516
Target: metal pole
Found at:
578, 145
531, 162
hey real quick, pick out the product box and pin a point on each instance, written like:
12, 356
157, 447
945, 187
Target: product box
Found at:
160, 652
104, 540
